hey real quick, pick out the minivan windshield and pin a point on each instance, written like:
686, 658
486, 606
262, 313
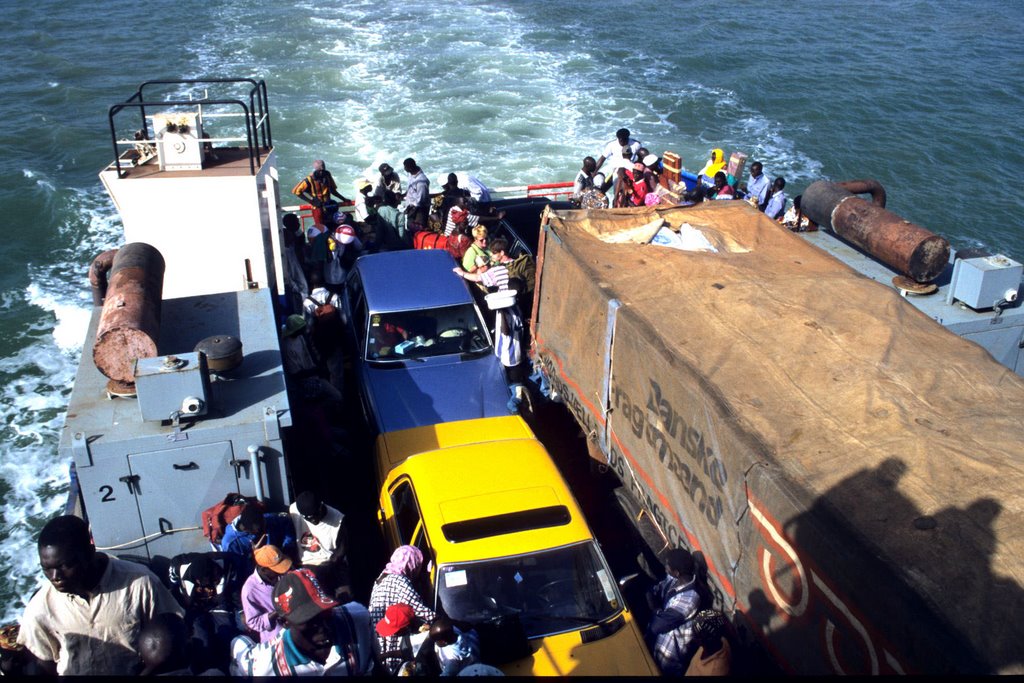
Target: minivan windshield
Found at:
424, 333
551, 591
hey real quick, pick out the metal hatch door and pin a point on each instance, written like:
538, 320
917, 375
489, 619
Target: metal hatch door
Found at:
173, 487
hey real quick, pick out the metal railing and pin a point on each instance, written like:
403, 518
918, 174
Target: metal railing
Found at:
256, 115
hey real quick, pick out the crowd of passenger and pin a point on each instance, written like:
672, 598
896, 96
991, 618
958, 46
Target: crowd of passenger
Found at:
273, 595
636, 177
271, 598
389, 214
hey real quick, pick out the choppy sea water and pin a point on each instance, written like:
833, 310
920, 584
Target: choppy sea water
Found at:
925, 97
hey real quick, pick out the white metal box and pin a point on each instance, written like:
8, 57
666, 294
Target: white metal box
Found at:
179, 141
172, 386
981, 282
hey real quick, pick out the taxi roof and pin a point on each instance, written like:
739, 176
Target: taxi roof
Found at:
394, 447
489, 479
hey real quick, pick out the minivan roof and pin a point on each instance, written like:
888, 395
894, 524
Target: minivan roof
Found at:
486, 480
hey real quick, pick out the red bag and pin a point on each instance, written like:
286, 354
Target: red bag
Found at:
458, 245
425, 239
217, 517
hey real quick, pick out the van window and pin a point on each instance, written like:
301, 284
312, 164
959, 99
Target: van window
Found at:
508, 523
515, 245
550, 591
407, 514
359, 321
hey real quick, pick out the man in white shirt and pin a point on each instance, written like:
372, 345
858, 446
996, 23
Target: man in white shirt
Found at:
776, 200
87, 618
614, 149
322, 540
364, 200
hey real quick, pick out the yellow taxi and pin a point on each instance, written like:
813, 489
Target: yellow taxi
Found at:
506, 540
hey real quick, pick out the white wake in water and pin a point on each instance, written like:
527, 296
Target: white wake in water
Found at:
35, 385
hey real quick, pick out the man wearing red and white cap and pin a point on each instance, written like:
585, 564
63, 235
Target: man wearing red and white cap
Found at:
342, 249
319, 637
393, 637
258, 590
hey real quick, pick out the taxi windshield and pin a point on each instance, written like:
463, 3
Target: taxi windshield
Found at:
551, 591
424, 333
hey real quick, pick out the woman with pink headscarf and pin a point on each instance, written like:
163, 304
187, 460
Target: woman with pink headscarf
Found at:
394, 586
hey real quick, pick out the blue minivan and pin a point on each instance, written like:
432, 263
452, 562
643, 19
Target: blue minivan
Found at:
423, 353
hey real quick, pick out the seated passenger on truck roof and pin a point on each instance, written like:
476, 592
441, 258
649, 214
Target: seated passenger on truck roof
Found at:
640, 185
776, 205
757, 186
722, 190
716, 163
585, 178
623, 189
652, 170
622, 146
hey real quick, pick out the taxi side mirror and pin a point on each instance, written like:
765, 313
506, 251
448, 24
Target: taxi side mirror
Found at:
628, 579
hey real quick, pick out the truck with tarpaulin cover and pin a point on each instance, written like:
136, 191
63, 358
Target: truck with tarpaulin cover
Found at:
851, 471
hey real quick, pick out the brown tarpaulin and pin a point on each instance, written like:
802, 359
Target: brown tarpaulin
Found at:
851, 471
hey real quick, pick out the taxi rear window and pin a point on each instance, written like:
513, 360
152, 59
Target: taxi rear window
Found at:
508, 523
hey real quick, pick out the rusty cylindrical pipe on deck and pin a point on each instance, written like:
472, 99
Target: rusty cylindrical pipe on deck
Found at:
130, 320
866, 186
908, 248
98, 275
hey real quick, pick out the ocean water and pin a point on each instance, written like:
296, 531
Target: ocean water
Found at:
925, 97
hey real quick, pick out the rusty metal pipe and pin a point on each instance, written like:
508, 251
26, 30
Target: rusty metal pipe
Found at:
903, 246
129, 323
866, 186
98, 271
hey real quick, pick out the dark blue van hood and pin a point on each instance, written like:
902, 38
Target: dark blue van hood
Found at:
418, 394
